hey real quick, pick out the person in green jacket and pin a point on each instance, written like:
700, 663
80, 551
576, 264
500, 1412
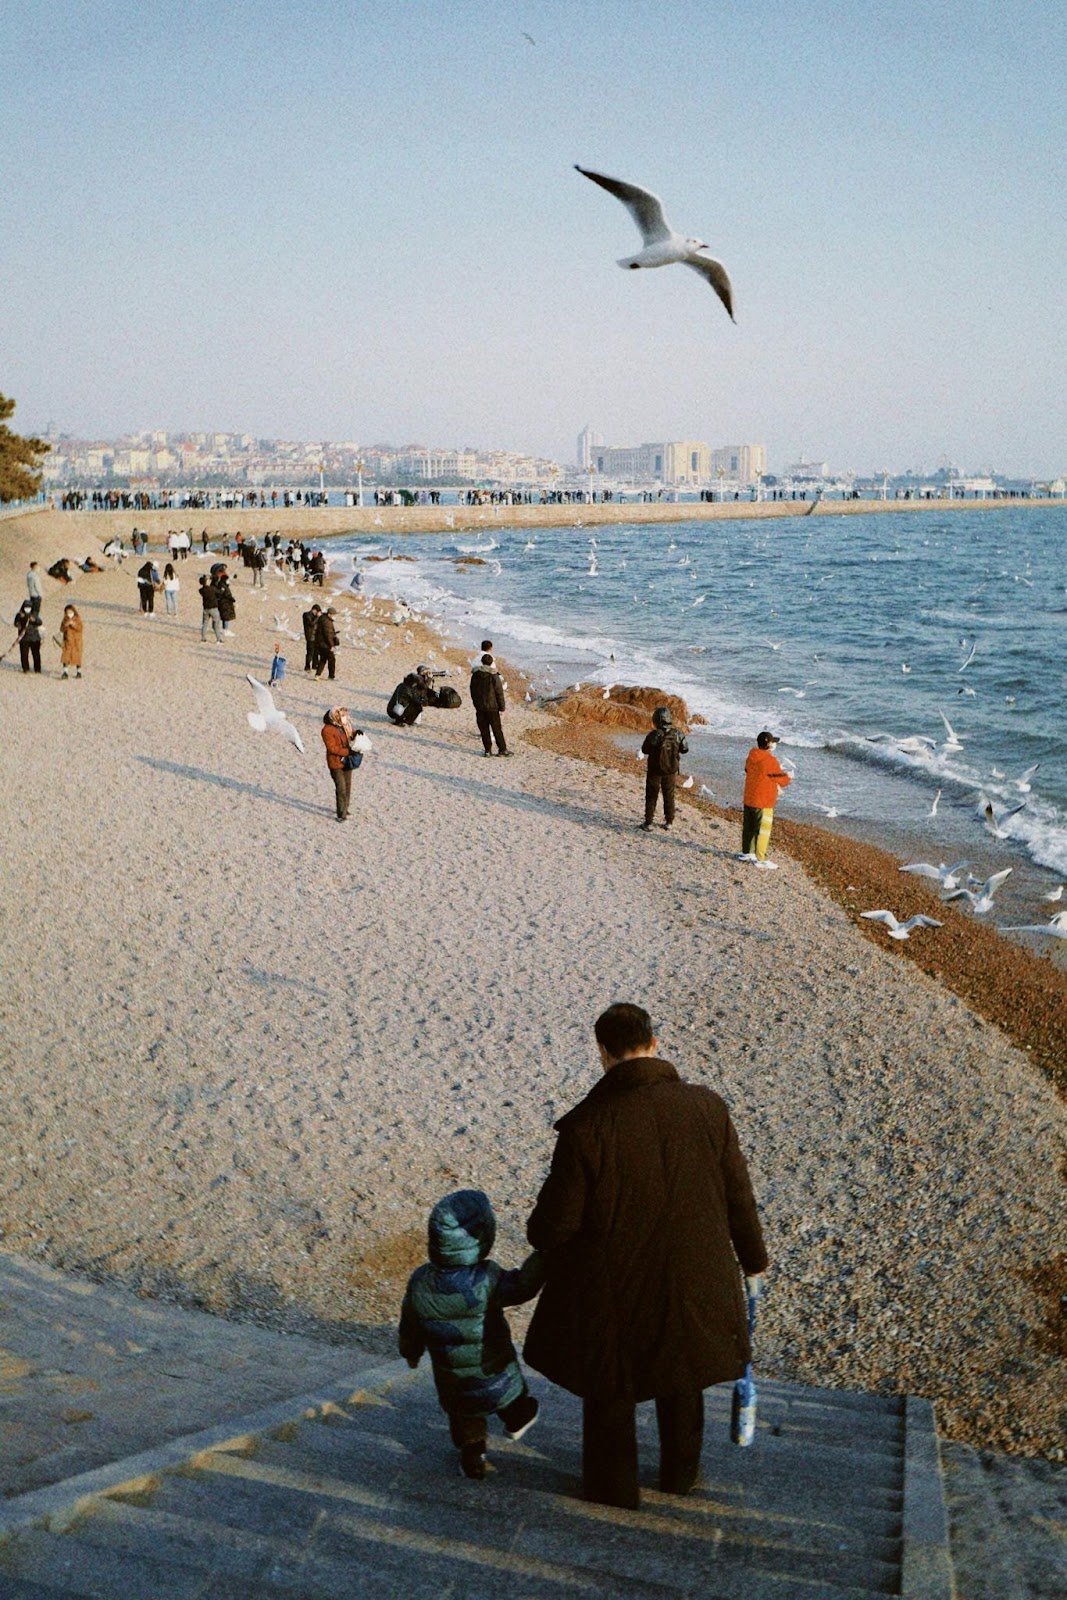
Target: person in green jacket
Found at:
454, 1308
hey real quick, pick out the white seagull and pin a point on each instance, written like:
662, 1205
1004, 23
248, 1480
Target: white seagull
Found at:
952, 743
933, 808
900, 930
268, 719
1054, 894
1056, 928
993, 823
1022, 782
981, 899
662, 246
947, 877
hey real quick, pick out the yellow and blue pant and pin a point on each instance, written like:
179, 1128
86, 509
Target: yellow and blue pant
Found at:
756, 825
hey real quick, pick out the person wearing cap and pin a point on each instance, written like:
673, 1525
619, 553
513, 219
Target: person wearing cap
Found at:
663, 747
764, 780
326, 641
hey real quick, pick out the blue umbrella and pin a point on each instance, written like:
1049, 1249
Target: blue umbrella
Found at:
743, 1409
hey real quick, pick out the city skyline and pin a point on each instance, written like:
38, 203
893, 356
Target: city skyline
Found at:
326, 221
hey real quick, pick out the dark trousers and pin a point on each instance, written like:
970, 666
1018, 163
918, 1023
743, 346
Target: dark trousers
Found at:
609, 1447
309, 653
467, 1431
26, 650
148, 597
342, 782
489, 723
655, 784
326, 658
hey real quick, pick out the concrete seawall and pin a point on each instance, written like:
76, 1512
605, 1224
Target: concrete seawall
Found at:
71, 529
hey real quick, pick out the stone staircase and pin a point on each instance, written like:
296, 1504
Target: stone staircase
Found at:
356, 1492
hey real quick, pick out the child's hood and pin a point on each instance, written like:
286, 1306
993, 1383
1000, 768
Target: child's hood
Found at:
462, 1229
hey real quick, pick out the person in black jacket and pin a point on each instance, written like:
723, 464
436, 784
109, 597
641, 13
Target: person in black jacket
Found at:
662, 746
326, 641
311, 622
487, 697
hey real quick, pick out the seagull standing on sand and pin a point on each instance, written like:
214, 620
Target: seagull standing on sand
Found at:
267, 718
662, 246
900, 930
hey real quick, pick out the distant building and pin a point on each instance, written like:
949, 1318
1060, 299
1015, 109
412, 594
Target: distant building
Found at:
681, 463
806, 469
741, 463
588, 441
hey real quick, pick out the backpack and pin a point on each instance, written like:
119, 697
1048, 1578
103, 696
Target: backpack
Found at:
448, 698
669, 757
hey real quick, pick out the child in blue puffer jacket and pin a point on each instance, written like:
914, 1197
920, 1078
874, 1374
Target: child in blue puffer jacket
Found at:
454, 1308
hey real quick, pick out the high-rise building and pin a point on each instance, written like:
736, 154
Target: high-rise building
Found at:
587, 443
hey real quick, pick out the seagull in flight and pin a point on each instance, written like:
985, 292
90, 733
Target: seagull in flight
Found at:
981, 899
993, 823
662, 246
1057, 927
267, 718
900, 930
947, 877
1022, 782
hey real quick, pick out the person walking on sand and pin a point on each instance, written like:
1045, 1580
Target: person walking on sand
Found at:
277, 667
764, 780
147, 584
209, 600
28, 636
311, 621
454, 1308
487, 697
647, 1221
338, 735
227, 603
171, 585
34, 589
71, 631
663, 747
326, 641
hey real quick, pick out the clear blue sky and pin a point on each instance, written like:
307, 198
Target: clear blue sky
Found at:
361, 221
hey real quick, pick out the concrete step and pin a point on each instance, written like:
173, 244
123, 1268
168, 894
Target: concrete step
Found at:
549, 1525
358, 1493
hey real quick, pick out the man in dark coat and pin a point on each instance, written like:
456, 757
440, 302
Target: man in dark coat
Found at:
487, 697
311, 622
326, 641
645, 1216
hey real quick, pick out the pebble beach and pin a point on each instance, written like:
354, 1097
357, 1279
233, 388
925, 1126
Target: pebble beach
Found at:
246, 1048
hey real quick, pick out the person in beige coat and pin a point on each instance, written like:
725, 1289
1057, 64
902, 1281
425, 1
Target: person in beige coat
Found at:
71, 632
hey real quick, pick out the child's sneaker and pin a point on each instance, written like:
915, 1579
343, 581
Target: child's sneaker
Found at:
521, 1416
472, 1461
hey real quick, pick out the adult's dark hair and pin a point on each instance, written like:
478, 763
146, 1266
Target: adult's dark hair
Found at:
623, 1028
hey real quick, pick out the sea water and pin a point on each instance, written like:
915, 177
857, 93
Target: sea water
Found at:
897, 655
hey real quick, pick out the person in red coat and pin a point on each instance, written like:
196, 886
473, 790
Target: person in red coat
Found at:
764, 781
647, 1220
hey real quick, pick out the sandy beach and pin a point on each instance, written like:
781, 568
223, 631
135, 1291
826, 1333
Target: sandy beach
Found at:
246, 1048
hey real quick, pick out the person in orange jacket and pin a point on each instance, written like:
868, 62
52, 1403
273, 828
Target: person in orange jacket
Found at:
764, 779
